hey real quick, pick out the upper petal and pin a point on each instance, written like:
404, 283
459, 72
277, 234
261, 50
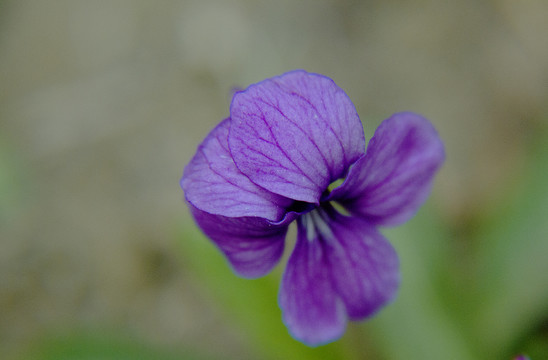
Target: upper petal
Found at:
213, 183
389, 183
252, 245
294, 134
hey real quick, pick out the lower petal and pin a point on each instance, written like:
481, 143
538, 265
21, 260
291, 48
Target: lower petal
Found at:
341, 267
312, 311
363, 265
252, 245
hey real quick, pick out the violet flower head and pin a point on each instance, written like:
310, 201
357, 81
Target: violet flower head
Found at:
272, 162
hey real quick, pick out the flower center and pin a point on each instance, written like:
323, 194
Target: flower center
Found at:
316, 223
300, 207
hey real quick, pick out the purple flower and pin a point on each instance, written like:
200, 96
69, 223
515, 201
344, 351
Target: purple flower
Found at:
272, 162
521, 357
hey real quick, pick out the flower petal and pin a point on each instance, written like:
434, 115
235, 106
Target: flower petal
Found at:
252, 245
312, 310
364, 266
389, 183
295, 134
341, 267
213, 183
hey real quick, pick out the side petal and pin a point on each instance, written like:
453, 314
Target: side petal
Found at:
389, 183
312, 310
213, 183
295, 134
364, 266
252, 245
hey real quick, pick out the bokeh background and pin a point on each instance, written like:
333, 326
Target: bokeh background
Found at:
102, 104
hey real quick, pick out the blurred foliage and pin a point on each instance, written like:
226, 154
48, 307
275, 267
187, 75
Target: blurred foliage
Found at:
10, 183
87, 346
512, 310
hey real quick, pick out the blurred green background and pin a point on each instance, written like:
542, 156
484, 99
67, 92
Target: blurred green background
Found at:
102, 103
